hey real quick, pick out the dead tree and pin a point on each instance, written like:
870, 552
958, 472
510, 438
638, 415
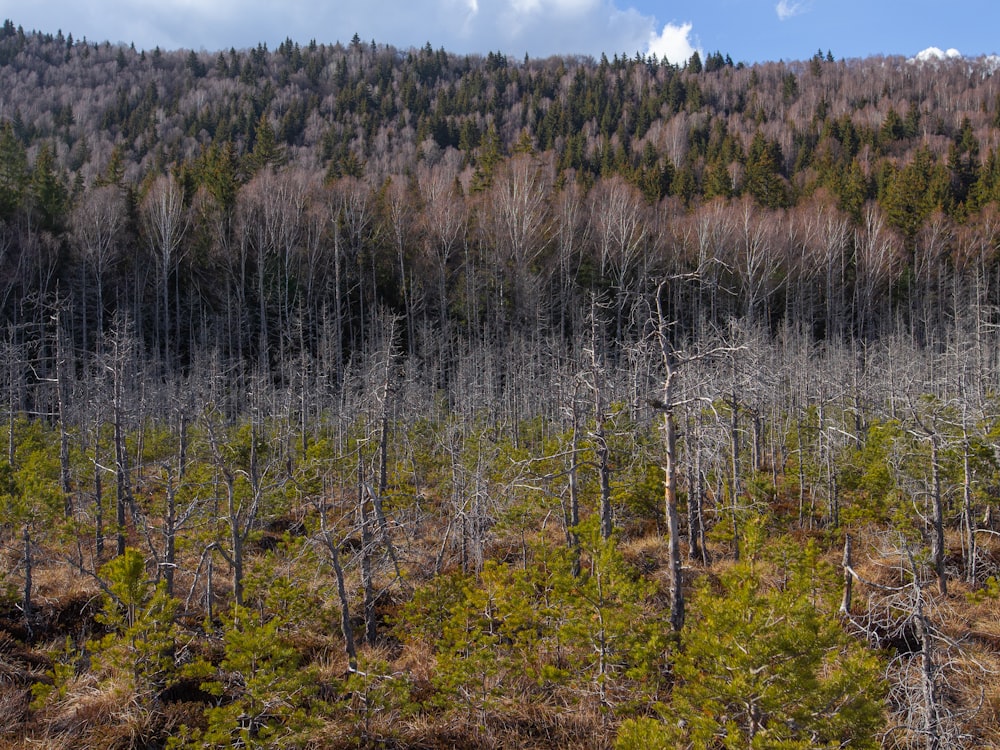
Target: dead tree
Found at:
329, 540
666, 404
599, 435
245, 464
697, 546
931, 709
165, 221
119, 365
571, 514
927, 430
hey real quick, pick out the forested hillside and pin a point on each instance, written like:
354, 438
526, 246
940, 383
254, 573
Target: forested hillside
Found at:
366, 397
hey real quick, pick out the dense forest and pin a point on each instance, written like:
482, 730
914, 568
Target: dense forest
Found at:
366, 397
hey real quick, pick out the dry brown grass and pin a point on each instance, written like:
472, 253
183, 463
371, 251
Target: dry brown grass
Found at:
983, 620
418, 661
14, 702
648, 553
515, 726
96, 714
56, 579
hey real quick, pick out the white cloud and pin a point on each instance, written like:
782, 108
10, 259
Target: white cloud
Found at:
672, 44
526, 6
538, 27
567, 7
789, 8
545, 27
936, 54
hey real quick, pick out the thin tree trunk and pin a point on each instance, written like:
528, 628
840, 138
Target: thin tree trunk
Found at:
383, 454
573, 519
667, 405
98, 496
371, 625
928, 672
170, 532
63, 433
209, 590
604, 471
801, 469
121, 472
236, 540
673, 530
845, 602
28, 582
696, 530
345, 607
937, 542
968, 516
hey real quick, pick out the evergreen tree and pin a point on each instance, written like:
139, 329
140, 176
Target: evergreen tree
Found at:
914, 191
217, 170
13, 172
760, 668
963, 164
48, 192
266, 687
266, 150
987, 185
488, 157
763, 173
30, 502
139, 616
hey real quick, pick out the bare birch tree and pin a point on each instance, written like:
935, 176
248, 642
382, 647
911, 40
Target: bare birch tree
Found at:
165, 221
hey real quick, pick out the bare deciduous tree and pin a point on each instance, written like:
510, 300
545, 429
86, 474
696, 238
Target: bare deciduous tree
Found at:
165, 220
98, 220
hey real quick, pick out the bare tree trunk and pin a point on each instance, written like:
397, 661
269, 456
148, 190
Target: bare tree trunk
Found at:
928, 672
12, 365
734, 455
304, 386
371, 624
63, 432
673, 530
98, 495
383, 450
968, 514
801, 468
182, 448
845, 603
209, 589
833, 498
937, 540
600, 437
338, 303
235, 539
604, 471
667, 405
123, 498
573, 516
757, 426
170, 535
734, 445
346, 628
345, 607
26, 607
697, 551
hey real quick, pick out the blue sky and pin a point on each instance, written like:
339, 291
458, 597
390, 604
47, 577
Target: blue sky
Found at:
747, 30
